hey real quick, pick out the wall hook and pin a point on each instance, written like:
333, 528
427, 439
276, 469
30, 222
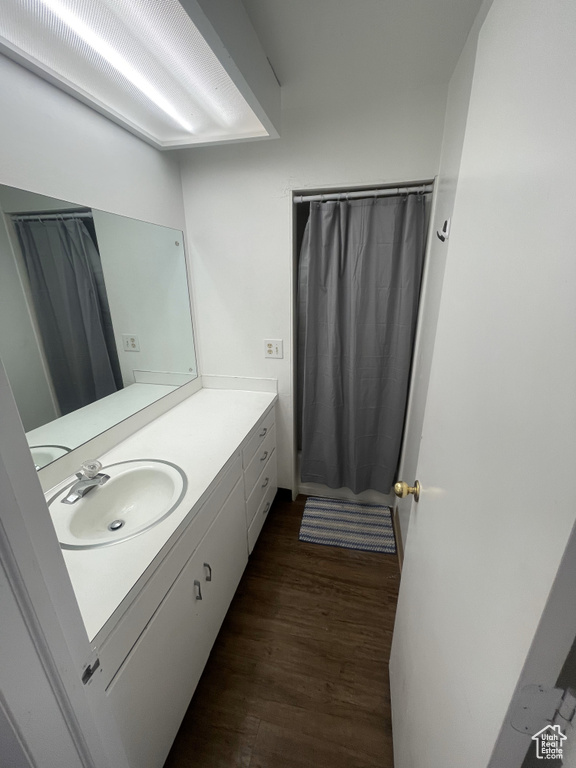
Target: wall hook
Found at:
443, 233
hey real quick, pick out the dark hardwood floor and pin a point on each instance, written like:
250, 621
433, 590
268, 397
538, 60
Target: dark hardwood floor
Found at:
298, 676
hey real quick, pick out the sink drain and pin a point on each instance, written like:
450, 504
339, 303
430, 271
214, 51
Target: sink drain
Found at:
116, 525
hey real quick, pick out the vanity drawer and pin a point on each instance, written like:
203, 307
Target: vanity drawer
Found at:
265, 481
262, 511
256, 440
259, 461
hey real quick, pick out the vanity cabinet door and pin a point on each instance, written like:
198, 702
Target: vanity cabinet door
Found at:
153, 687
221, 558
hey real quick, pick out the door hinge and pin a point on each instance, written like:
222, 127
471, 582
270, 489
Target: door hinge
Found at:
89, 670
536, 707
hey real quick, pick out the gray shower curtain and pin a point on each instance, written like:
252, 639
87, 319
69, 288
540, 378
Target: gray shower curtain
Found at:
64, 269
359, 283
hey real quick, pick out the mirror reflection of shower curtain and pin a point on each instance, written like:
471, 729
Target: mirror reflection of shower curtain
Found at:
359, 281
70, 302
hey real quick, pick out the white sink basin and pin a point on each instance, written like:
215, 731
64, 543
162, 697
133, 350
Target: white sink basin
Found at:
45, 454
138, 495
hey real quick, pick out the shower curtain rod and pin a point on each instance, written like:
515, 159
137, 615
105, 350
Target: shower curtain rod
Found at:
46, 216
356, 194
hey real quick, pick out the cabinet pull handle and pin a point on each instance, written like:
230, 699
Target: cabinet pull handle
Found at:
264, 456
209, 567
266, 508
198, 589
263, 432
265, 483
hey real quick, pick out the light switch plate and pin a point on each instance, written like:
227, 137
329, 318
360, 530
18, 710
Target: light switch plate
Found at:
273, 348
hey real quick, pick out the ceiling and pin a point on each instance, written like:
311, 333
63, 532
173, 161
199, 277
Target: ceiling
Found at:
412, 41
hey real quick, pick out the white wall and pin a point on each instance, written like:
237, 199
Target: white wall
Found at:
353, 113
54, 145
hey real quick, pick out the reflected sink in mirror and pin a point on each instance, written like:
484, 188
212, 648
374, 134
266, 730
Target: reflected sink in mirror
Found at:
45, 454
139, 494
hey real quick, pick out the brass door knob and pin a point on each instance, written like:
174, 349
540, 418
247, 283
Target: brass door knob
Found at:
402, 489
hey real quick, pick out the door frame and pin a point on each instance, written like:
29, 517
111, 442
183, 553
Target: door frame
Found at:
428, 309
37, 577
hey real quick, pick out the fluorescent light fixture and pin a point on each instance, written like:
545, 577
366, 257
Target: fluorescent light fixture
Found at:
144, 64
98, 44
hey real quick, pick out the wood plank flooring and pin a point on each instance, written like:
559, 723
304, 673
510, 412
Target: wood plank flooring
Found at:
298, 676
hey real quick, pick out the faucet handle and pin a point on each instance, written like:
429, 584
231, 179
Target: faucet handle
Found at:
91, 468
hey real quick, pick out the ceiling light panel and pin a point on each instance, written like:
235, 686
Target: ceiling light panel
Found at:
142, 61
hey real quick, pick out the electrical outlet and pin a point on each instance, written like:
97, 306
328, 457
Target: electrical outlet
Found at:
273, 348
130, 342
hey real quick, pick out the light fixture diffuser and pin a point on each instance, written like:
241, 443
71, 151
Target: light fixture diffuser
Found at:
143, 63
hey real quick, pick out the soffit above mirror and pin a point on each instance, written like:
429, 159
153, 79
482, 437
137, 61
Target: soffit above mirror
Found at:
159, 68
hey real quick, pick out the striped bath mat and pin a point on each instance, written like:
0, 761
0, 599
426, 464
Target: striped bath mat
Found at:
349, 524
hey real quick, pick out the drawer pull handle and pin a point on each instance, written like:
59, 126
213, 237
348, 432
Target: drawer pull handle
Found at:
263, 432
264, 456
265, 483
266, 508
198, 590
209, 567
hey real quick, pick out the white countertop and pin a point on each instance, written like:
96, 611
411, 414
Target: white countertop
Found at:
200, 435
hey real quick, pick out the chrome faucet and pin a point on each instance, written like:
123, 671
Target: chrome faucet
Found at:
89, 478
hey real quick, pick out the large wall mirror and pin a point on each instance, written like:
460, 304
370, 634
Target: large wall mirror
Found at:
95, 319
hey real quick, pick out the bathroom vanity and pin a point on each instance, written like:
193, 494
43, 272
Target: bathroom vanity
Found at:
153, 604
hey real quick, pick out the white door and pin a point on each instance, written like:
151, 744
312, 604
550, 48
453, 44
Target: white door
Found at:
499, 432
